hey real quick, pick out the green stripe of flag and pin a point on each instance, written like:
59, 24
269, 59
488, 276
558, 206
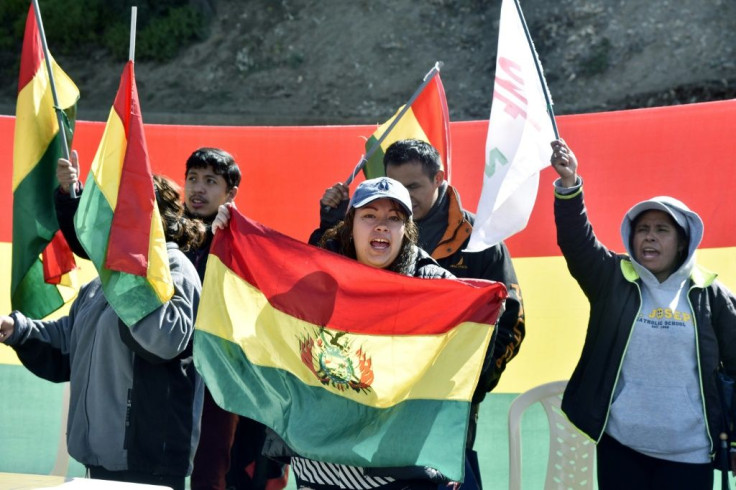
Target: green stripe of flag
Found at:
36, 296
340, 431
33, 227
374, 167
131, 296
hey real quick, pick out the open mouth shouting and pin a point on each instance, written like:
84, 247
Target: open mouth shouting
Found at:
649, 253
380, 244
378, 231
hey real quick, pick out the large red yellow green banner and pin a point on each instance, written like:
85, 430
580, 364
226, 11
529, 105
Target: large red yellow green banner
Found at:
347, 363
117, 221
625, 156
42, 270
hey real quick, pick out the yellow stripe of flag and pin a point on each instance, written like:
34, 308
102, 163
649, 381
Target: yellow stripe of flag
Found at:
36, 124
404, 367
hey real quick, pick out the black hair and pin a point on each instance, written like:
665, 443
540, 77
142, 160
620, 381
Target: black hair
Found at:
222, 163
178, 228
342, 234
414, 150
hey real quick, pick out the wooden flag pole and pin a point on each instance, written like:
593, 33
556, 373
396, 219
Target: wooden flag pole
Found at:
133, 19
364, 159
57, 108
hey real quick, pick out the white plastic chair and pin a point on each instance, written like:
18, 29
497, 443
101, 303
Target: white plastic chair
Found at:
571, 463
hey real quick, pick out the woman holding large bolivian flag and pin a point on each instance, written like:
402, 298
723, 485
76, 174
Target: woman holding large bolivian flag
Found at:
377, 231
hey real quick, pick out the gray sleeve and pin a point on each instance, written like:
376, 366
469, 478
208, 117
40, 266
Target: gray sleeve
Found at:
55, 333
43, 347
166, 332
563, 191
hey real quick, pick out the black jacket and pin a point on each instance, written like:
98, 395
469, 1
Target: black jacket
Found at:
493, 264
612, 287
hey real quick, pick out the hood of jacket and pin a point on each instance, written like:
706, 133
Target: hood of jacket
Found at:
682, 215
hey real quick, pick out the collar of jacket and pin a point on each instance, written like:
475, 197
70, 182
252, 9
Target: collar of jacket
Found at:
700, 276
458, 227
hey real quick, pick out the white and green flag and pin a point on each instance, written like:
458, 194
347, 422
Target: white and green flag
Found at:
520, 130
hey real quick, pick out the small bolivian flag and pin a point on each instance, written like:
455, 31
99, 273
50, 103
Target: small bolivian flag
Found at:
117, 221
346, 363
427, 119
43, 264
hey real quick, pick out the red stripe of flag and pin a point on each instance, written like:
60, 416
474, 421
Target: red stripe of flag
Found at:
430, 110
326, 289
57, 259
33, 57
128, 244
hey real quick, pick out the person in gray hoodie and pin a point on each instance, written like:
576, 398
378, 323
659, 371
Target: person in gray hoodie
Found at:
645, 388
136, 398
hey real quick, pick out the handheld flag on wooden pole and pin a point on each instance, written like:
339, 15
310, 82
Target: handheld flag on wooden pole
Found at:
424, 116
118, 222
60, 115
43, 276
520, 129
346, 363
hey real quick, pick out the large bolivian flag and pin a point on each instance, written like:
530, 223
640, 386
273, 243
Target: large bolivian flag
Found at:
42, 261
117, 221
427, 119
348, 364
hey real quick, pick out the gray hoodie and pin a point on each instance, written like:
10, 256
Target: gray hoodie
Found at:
658, 407
108, 398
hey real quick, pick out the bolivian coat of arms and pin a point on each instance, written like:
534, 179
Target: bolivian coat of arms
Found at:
332, 360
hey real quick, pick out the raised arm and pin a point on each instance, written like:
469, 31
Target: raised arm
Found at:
332, 208
588, 260
565, 164
67, 172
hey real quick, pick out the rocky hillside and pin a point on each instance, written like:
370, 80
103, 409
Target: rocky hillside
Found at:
296, 62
